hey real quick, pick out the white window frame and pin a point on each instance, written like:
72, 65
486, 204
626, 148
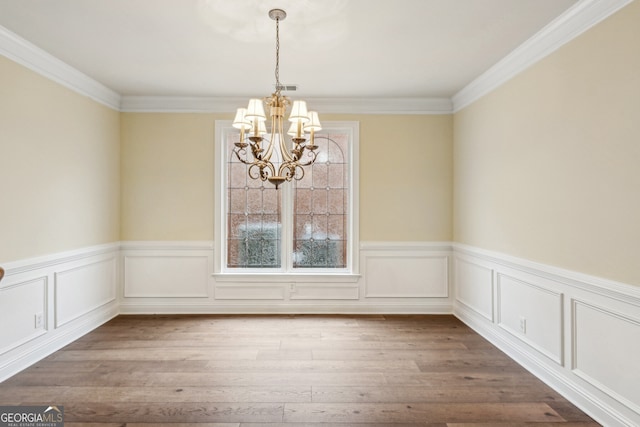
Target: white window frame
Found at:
286, 272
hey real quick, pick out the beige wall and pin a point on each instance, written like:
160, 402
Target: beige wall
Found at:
167, 176
59, 167
547, 167
168, 161
406, 177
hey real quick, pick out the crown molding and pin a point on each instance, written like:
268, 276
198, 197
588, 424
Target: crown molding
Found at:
326, 105
180, 104
29, 55
576, 20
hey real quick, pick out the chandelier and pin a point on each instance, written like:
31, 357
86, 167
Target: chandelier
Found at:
289, 162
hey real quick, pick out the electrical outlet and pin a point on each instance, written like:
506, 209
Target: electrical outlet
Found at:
39, 320
523, 325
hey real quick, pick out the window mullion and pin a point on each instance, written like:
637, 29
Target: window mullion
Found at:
287, 227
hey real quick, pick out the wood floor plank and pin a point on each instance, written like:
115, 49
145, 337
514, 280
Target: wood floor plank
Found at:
95, 424
368, 424
388, 366
164, 342
421, 394
192, 353
34, 395
420, 412
422, 353
173, 413
191, 379
524, 424
284, 355
428, 346
462, 379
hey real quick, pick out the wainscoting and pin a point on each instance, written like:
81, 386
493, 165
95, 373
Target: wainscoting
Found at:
48, 302
579, 334
175, 277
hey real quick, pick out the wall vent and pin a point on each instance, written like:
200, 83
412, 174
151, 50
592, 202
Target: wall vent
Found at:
287, 87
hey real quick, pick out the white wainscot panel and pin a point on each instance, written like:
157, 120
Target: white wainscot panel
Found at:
474, 287
606, 347
324, 292
20, 303
166, 276
239, 291
406, 276
532, 313
84, 288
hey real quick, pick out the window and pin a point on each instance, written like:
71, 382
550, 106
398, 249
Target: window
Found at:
305, 227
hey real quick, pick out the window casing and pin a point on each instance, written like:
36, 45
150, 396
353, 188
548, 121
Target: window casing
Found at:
306, 228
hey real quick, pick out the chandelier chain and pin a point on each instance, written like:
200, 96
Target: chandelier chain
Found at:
278, 55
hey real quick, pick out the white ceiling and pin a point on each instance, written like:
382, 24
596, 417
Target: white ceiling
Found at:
330, 48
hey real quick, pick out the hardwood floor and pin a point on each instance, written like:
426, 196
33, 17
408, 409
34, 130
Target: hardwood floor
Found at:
259, 371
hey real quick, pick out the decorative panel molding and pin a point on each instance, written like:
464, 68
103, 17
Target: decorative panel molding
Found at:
604, 342
166, 276
21, 304
398, 273
531, 313
323, 292
83, 288
249, 292
474, 286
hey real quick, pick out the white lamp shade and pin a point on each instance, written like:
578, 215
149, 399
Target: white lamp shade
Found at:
314, 122
299, 112
240, 121
255, 110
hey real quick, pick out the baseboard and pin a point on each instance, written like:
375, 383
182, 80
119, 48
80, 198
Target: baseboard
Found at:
289, 308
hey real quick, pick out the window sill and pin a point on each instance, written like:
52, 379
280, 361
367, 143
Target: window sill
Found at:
315, 277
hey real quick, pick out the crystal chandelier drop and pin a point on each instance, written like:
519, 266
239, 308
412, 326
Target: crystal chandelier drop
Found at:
251, 122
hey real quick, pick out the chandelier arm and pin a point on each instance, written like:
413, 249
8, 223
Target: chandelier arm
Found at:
267, 154
271, 168
258, 175
237, 153
301, 169
313, 156
287, 170
287, 158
